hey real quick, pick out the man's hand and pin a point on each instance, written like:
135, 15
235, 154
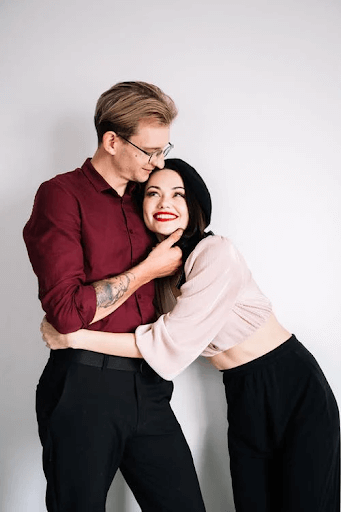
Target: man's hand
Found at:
164, 259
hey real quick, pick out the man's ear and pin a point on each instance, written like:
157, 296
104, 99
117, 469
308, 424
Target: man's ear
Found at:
109, 142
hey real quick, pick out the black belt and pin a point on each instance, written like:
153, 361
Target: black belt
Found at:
89, 358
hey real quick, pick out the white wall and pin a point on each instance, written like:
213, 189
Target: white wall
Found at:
257, 83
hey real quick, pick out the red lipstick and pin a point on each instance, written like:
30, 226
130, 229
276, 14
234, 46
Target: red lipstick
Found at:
164, 216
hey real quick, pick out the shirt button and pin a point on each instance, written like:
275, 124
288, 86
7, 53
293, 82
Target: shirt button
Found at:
131, 231
139, 296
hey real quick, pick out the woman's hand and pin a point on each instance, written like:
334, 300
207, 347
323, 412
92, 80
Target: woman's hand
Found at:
53, 339
113, 344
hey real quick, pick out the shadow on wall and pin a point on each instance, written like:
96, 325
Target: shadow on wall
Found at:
119, 495
214, 472
22, 358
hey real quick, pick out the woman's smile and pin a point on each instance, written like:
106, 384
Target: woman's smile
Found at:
165, 216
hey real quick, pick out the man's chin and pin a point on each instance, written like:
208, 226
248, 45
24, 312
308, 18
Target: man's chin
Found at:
145, 175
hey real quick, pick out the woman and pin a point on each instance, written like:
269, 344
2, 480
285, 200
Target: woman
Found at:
284, 436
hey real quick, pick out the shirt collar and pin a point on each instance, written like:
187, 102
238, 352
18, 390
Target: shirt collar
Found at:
99, 182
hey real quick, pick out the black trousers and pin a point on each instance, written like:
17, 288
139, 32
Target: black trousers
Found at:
284, 434
94, 420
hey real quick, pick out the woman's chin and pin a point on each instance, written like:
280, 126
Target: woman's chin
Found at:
164, 233
163, 229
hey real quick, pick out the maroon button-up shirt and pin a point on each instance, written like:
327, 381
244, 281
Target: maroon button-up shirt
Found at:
82, 231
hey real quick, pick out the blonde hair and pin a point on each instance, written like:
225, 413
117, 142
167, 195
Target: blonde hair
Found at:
122, 107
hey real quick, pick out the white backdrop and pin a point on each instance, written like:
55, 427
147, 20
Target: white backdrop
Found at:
257, 84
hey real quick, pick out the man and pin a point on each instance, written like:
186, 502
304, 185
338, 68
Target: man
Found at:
89, 248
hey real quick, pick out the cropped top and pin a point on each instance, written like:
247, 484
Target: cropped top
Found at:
219, 306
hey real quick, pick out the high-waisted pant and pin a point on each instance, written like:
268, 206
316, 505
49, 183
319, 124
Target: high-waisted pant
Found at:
284, 434
93, 421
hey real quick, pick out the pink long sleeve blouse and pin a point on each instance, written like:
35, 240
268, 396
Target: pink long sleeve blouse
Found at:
219, 306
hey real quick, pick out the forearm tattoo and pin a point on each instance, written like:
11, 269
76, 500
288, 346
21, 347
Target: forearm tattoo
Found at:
108, 292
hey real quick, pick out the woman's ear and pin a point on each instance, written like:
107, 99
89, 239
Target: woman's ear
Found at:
109, 142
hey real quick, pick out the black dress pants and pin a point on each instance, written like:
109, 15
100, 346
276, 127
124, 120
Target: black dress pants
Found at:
284, 434
94, 420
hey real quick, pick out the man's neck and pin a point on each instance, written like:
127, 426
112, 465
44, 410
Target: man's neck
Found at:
102, 162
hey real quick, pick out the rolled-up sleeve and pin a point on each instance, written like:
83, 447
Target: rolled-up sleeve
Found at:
214, 278
53, 240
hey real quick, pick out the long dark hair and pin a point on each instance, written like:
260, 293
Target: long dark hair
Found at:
198, 202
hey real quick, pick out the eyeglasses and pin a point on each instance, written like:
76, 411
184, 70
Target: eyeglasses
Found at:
157, 153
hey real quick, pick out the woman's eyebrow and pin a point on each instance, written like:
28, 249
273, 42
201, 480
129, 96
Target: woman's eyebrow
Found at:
153, 186
159, 188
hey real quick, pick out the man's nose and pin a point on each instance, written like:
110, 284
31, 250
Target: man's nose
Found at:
158, 161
